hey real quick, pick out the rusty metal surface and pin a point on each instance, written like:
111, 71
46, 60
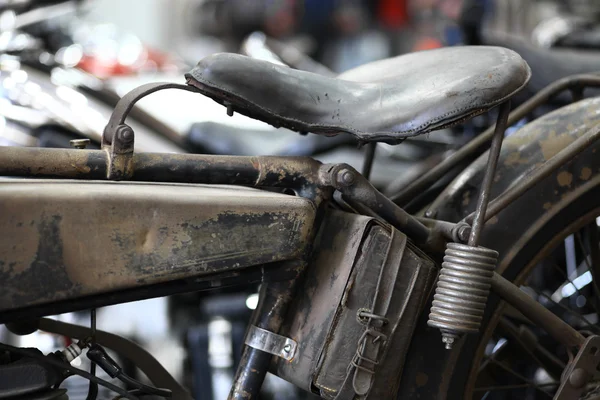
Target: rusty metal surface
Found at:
522, 152
65, 239
477, 145
297, 173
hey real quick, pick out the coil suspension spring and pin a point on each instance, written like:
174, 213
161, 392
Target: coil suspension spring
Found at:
465, 279
462, 290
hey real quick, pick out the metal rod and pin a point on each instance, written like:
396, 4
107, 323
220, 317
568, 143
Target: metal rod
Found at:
526, 340
161, 167
490, 172
478, 145
538, 314
369, 158
358, 188
274, 300
558, 160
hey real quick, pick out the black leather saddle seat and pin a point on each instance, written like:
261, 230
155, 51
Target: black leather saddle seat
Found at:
387, 100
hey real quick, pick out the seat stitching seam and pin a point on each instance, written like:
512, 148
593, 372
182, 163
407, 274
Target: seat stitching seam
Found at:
411, 132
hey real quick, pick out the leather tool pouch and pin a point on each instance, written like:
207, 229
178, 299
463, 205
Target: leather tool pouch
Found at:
357, 311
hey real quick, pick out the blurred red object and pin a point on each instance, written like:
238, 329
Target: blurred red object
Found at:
148, 61
427, 43
392, 14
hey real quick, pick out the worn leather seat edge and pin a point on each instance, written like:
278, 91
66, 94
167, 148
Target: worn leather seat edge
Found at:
386, 101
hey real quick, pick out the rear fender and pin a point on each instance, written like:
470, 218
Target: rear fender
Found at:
508, 232
523, 152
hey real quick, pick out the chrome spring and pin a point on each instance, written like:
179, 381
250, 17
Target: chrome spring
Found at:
462, 290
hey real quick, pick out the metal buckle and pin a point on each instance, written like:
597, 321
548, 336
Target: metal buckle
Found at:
271, 343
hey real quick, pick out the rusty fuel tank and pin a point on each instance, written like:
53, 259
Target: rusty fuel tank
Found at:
63, 240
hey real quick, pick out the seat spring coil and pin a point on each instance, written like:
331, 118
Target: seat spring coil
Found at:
462, 290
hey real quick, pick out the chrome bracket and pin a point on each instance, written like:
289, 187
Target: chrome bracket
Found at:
271, 343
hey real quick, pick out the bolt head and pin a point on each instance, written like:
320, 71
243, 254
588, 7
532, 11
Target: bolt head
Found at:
287, 348
125, 134
578, 378
346, 177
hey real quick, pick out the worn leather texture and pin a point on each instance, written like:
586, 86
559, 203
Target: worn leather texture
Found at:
359, 265
386, 101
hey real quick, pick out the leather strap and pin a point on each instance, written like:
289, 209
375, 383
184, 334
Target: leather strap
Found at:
370, 346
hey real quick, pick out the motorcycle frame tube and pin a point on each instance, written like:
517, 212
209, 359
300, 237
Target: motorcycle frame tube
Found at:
297, 173
537, 313
274, 300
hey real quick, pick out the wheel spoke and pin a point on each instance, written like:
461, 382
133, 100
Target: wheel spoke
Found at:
577, 290
593, 265
524, 359
544, 358
587, 323
518, 375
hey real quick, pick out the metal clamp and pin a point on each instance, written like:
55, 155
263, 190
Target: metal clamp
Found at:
271, 343
118, 138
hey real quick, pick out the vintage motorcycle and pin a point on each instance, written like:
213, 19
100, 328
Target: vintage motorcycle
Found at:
354, 290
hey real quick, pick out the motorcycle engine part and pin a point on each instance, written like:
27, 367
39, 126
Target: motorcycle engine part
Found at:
21, 376
462, 290
355, 315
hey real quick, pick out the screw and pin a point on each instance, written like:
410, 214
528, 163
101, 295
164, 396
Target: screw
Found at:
79, 143
125, 134
287, 348
229, 108
346, 177
578, 378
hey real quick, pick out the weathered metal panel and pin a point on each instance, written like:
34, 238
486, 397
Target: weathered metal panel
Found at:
65, 239
522, 152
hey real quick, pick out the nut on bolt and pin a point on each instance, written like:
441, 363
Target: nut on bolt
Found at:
345, 177
125, 133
